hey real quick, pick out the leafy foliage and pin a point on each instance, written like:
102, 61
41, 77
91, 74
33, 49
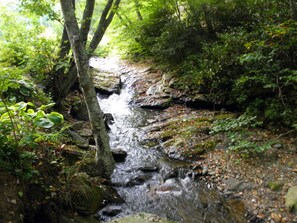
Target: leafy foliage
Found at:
240, 134
26, 44
240, 54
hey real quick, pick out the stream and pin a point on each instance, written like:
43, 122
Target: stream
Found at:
148, 180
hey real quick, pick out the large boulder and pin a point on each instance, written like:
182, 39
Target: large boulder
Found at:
106, 82
79, 111
153, 102
291, 199
143, 218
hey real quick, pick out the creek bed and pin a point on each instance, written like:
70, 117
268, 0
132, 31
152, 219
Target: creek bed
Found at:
148, 180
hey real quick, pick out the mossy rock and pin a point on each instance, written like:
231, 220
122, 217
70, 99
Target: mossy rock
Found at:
291, 199
275, 185
83, 195
142, 218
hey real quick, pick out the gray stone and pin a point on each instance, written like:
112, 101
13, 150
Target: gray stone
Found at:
77, 125
154, 102
291, 199
205, 170
142, 218
77, 139
237, 185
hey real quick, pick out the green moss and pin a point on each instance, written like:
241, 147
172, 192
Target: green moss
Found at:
200, 148
224, 116
291, 199
150, 144
275, 185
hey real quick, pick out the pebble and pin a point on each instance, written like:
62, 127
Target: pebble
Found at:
220, 188
13, 201
205, 170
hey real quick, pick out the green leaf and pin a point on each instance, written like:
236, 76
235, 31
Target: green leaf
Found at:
44, 107
44, 123
22, 106
21, 194
40, 114
5, 117
56, 117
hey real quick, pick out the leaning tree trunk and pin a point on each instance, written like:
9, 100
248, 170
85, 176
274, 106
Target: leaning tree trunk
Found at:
105, 20
104, 157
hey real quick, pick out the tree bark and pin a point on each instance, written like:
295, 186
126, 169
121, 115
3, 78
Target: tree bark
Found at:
86, 20
293, 6
105, 20
104, 158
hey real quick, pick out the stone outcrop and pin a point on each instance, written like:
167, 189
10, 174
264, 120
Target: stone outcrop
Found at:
106, 82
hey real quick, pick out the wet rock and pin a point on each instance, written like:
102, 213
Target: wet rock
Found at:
106, 82
119, 155
108, 120
170, 186
168, 173
77, 139
237, 185
291, 199
111, 195
149, 169
143, 218
111, 210
137, 180
153, 102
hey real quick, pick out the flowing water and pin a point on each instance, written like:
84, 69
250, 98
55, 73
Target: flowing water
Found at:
150, 182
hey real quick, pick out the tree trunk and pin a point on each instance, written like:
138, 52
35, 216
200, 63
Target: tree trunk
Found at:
104, 157
105, 19
293, 6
